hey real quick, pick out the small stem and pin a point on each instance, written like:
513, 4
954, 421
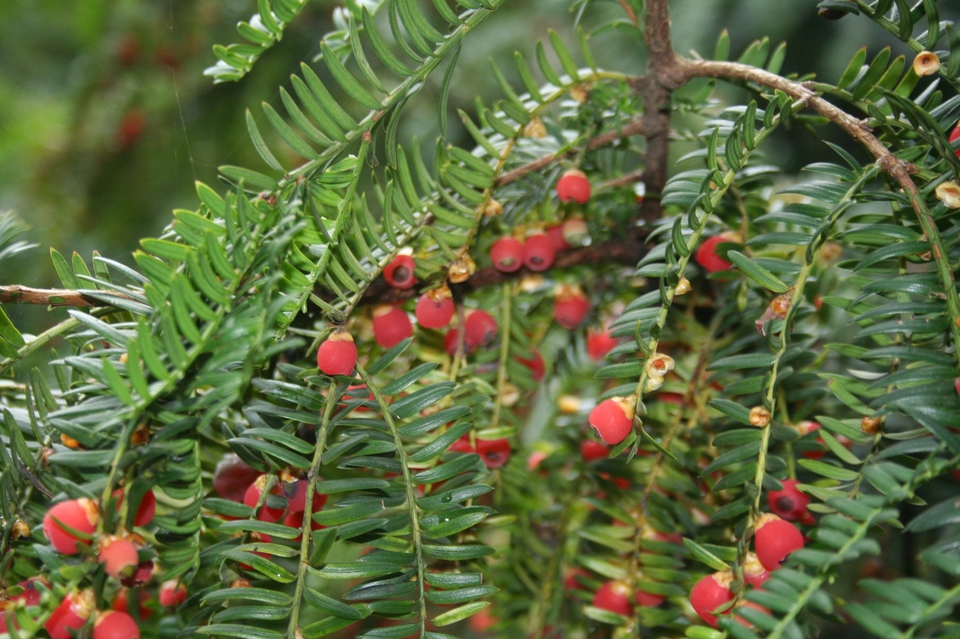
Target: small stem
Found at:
55, 297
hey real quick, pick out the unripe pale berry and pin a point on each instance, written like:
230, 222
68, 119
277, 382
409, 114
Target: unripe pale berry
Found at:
538, 252
707, 256
80, 515
753, 571
232, 477
115, 625
391, 325
570, 307
71, 614
118, 556
575, 232
775, 539
435, 308
399, 272
710, 593
789, 503
599, 343
337, 355
172, 594
614, 596
613, 419
573, 186
507, 255
480, 329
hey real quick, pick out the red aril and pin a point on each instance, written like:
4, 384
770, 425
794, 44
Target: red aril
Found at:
337, 355
573, 186
399, 272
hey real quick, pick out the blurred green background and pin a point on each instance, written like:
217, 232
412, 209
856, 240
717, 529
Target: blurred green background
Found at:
106, 119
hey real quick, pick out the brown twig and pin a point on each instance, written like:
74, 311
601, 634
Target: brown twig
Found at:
56, 297
631, 14
635, 127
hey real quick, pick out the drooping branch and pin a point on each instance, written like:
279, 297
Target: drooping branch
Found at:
56, 297
898, 169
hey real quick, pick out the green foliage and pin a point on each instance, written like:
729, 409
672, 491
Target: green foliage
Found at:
831, 296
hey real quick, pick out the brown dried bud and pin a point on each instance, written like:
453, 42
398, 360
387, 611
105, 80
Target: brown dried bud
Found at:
535, 129
568, 404
19, 530
70, 442
141, 435
462, 269
240, 583
492, 208
683, 286
759, 417
580, 93
926, 63
870, 425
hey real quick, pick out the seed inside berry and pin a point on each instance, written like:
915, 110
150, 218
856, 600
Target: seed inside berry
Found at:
399, 272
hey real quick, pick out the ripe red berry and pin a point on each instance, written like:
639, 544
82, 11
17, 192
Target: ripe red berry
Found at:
252, 496
131, 127
140, 576
172, 594
115, 625
337, 355
535, 364
571, 579
789, 503
399, 272
495, 453
294, 490
538, 252
121, 602
774, 539
29, 597
592, 450
753, 571
573, 186
118, 556
614, 596
145, 511
232, 477
479, 330
69, 523
71, 614
613, 419
710, 593
707, 256
649, 599
555, 233
599, 343
391, 325
954, 136
435, 308
507, 254
450, 343
570, 307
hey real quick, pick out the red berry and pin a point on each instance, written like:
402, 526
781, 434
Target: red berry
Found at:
571, 579
707, 255
141, 575
391, 325
121, 602
338, 354
435, 308
954, 136
232, 477
775, 539
172, 594
495, 453
555, 233
599, 343
507, 254
294, 490
710, 593
80, 515
649, 599
535, 364
480, 329
450, 343
592, 450
789, 503
71, 614
753, 571
613, 419
614, 596
131, 127
399, 272
145, 511
252, 497
29, 597
115, 625
570, 307
538, 252
573, 186
118, 556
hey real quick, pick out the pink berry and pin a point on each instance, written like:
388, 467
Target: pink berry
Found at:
172, 594
599, 343
391, 325
954, 136
592, 450
435, 308
480, 329
507, 255
232, 477
573, 186
450, 343
399, 272
613, 420
115, 625
570, 307
555, 233
145, 511
252, 497
789, 503
710, 593
774, 539
495, 453
121, 602
535, 364
118, 556
71, 614
80, 515
753, 571
649, 599
707, 255
614, 596
337, 355
538, 252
